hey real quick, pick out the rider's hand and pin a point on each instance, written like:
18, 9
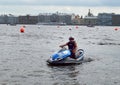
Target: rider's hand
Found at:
61, 46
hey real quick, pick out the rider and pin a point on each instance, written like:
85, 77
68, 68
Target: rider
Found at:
72, 46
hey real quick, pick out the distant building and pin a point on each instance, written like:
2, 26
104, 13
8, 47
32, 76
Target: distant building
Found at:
90, 19
44, 17
55, 17
4, 19
105, 19
28, 19
116, 20
75, 19
12, 20
82, 21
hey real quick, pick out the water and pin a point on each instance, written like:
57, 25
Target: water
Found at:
23, 55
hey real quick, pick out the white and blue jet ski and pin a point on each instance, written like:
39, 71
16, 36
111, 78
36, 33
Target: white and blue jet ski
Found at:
62, 57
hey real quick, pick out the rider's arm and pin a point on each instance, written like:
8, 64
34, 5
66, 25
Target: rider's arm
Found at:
75, 49
63, 45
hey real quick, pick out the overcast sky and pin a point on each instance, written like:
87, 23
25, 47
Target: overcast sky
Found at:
33, 7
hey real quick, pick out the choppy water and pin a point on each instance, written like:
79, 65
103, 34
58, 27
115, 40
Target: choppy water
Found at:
23, 55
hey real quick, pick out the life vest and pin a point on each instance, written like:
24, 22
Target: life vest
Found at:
71, 45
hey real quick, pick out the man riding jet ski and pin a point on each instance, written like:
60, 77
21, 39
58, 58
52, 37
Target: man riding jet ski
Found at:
67, 56
72, 46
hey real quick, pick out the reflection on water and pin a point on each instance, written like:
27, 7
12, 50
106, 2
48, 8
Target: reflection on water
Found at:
66, 75
23, 56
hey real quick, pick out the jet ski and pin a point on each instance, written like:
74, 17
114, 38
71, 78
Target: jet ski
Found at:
62, 57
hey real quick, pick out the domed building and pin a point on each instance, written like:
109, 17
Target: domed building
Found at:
90, 19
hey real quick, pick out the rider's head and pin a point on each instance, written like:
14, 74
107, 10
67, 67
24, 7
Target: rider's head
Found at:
71, 38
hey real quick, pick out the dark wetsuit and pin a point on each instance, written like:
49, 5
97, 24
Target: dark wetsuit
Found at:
72, 46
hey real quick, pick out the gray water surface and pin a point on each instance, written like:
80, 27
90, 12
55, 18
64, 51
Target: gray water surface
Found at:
23, 55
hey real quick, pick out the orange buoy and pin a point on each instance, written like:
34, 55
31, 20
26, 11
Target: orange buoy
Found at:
22, 30
116, 29
76, 27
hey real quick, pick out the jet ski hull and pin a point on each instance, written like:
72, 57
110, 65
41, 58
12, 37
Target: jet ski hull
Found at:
68, 60
64, 62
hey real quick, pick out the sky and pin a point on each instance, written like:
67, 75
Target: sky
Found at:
81, 7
